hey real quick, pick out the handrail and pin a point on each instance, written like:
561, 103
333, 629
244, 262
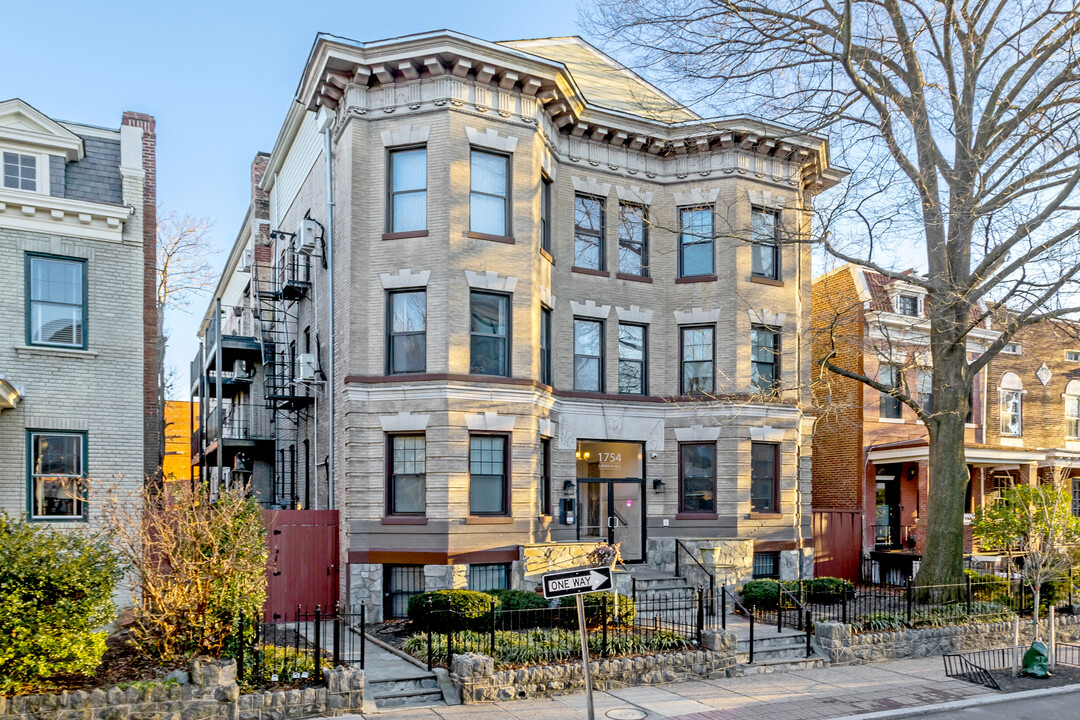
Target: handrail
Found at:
749, 614
799, 606
712, 578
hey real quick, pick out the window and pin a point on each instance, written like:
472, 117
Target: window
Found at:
490, 334
924, 385
57, 306
766, 565
632, 362
766, 259
588, 355
907, 305
765, 358
588, 232
695, 241
697, 478
56, 474
1012, 348
1076, 497
488, 475
407, 487
489, 577
1072, 410
407, 206
489, 209
1012, 393
544, 461
1072, 355
545, 345
20, 172
401, 582
407, 348
890, 405
545, 214
764, 477
633, 240
697, 358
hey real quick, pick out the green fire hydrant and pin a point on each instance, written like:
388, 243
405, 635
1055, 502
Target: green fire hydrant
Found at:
1036, 660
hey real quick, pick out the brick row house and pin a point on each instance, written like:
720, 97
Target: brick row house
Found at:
531, 305
79, 402
871, 451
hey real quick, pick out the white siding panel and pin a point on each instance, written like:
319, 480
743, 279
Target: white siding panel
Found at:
305, 150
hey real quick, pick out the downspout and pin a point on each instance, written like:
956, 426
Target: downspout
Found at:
325, 122
218, 402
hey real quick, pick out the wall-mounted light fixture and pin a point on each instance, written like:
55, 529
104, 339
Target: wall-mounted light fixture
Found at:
567, 485
658, 485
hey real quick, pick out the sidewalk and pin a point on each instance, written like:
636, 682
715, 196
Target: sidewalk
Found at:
809, 695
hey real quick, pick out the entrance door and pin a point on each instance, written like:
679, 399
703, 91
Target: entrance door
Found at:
611, 496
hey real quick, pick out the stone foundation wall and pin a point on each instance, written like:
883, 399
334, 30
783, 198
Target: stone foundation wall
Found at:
211, 694
547, 557
476, 679
836, 642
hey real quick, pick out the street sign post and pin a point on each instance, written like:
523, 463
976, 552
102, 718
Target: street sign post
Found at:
577, 583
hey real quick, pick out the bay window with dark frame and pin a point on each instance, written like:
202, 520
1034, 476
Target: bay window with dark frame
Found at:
489, 474
406, 202
764, 230
697, 478
696, 232
489, 333
765, 358
489, 193
633, 362
56, 301
543, 463
545, 213
57, 475
406, 468
588, 355
588, 232
545, 345
697, 360
764, 477
633, 240
406, 329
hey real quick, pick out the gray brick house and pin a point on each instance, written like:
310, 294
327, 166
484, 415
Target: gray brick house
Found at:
79, 408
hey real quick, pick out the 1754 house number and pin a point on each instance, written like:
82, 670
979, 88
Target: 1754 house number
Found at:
609, 459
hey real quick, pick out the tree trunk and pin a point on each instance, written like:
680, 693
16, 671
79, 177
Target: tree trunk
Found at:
1035, 592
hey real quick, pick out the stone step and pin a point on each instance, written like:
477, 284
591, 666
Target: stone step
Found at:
793, 652
420, 697
761, 667
418, 682
776, 641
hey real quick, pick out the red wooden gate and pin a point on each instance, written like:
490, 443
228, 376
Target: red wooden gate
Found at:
837, 543
302, 569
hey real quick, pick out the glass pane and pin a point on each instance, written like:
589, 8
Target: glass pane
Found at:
408, 494
763, 376
763, 225
762, 477
409, 312
627, 509
613, 460
488, 355
488, 173
57, 455
588, 213
698, 377
58, 281
56, 324
631, 380
487, 214
631, 223
586, 337
587, 251
698, 473
762, 345
764, 261
488, 313
410, 211
631, 258
697, 259
631, 342
696, 224
587, 374
485, 494
57, 497
408, 353
410, 169
697, 344
409, 455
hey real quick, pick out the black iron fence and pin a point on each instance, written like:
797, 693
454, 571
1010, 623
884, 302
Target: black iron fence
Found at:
295, 650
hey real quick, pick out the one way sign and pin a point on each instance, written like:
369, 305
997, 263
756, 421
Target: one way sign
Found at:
576, 582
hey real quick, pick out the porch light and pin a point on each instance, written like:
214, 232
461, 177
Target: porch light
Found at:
658, 485
567, 485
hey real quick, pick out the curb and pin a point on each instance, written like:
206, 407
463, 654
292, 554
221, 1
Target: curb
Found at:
961, 704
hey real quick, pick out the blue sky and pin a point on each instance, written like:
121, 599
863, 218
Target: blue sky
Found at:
218, 76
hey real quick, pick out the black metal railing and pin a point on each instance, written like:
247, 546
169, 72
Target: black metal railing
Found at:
893, 536
975, 667
241, 421
704, 577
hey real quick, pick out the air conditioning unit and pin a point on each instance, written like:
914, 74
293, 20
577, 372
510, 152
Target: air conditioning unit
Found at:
306, 368
245, 262
306, 235
238, 310
240, 369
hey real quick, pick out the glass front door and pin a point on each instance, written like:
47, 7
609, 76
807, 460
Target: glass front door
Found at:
611, 496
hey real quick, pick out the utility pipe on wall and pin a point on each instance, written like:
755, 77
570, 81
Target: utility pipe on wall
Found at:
325, 122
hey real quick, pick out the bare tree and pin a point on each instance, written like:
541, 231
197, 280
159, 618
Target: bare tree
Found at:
961, 122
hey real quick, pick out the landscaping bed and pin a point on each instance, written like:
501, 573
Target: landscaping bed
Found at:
1062, 675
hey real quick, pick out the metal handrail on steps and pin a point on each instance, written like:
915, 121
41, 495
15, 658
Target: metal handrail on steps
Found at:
711, 604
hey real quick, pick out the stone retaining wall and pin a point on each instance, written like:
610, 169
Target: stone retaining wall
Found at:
475, 676
836, 642
211, 694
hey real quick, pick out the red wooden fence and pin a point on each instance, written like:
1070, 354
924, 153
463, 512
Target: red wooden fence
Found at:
302, 569
837, 543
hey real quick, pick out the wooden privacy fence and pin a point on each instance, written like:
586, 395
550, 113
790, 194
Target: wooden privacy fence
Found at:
837, 543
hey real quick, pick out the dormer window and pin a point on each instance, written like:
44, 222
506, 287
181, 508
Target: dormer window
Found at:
1012, 348
907, 305
20, 172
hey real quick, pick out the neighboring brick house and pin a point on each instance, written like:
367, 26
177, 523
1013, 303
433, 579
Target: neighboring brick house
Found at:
181, 418
79, 410
551, 325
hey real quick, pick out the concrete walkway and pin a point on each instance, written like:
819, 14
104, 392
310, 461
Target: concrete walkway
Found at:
810, 695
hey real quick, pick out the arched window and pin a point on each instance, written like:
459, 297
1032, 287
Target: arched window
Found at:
1011, 392
1072, 410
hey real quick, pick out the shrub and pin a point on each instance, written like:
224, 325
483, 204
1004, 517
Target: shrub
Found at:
595, 606
467, 606
823, 591
518, 600
56, 590
826, 590
759, 593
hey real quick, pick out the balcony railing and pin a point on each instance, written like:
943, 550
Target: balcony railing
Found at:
241, 421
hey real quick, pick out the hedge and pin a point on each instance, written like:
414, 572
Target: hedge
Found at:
594, 606
468, 606
821, 591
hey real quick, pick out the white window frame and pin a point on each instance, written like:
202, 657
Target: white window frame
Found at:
42, 167
1013, 348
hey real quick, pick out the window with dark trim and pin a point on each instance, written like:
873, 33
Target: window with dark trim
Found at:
588, 355
487, 577
633, 350
696, 242
57, 473
407, 331
764, 477
545, 345
924, 385
400, 582
406, 206
891, 406
633, 240
545, 213
489, 475
544, 462
489, 344
56, 301
407, 481
765, 262
766, 566
588, 232
765, 358
489, 196
908, 305
697, 477
697, 356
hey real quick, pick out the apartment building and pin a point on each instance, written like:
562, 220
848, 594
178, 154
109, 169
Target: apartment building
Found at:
530, 304
79, 410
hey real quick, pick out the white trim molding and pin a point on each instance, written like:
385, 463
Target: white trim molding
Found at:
695, 196
634, 314
491, 280
490, 421
490, 138
697, 433
696, 315
62, 216
590, 186
634, 194
404, 421
766, 317
405, 278
766, 199
767, 433
545, 427
548, 164
546, 298
590, 309
406, 135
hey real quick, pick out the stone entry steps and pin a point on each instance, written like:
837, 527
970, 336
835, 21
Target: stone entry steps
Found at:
779, 665
420, 690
